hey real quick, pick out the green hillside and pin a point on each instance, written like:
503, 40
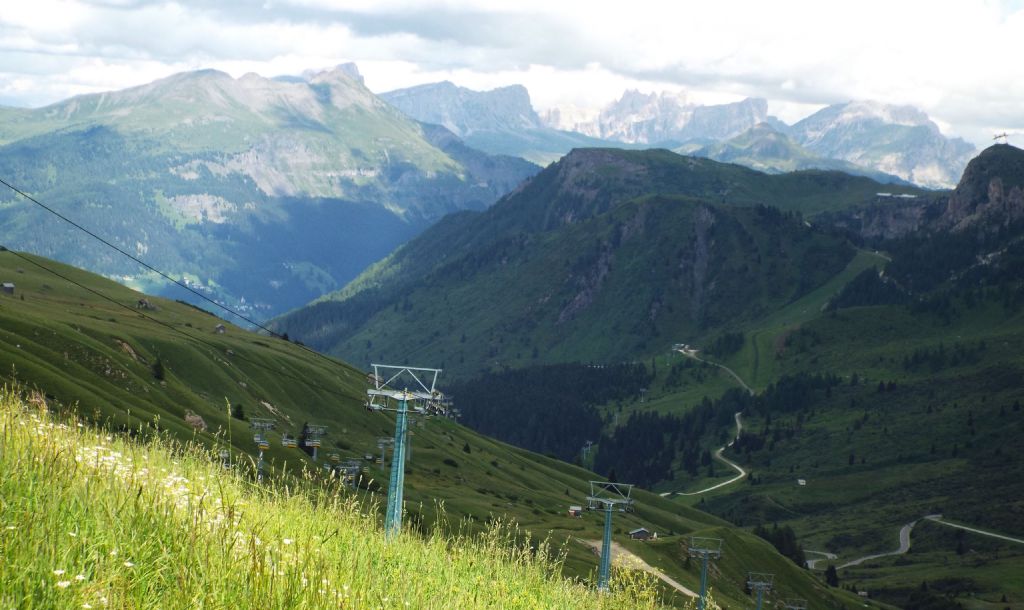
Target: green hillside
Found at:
74, 351
91, 521
890, 404
888, 381
594, 259
262, 193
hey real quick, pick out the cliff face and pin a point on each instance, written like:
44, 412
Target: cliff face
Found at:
990, 195
991, 191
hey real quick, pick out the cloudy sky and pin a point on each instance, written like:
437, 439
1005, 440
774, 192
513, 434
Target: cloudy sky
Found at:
959, 60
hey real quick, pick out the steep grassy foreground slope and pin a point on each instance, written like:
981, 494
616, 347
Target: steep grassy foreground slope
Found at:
90, 521
78, 351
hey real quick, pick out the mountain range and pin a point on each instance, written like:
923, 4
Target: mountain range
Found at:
262, 193
879, 140
600, 257
500, 121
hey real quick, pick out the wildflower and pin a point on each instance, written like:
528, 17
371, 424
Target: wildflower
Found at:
113, 553
287, 541
64, 584
129, 564
59, 572
80, 577
87, 605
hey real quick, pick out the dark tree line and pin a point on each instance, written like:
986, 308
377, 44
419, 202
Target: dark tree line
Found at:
726, 345
868, 289
649, 447
548, 409
784, 540
645, 449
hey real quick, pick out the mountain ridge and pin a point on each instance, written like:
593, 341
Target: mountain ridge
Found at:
591, 216
262, 193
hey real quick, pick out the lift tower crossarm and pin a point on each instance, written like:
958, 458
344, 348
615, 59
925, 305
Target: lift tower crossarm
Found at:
609, 497
424, 390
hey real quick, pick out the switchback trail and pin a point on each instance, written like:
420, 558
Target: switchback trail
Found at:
938, 519
692, 353
904, 546
812, 563
718, 456
905, 540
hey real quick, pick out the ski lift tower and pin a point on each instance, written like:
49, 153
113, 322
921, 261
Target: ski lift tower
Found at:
427, 399
383, 443
795, 604
761, 583
261, 427
608, 497
314, 433
705, 549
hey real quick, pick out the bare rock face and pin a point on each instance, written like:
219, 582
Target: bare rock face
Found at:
464, 111
654, 118
991, 191
897, 140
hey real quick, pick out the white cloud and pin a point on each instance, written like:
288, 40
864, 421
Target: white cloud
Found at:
955, 59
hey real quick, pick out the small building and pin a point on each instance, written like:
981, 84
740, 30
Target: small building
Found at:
576, 511
8, 287
219, 329
641, 533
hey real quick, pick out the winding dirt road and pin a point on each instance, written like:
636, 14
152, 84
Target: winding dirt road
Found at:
692, 353
905, 532
904, 545
938, 519
718, 456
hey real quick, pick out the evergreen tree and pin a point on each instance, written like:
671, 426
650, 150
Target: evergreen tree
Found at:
831, 577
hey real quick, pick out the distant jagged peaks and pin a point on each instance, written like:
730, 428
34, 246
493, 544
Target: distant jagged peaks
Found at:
464, 111
765, 148
897, 140
659, 118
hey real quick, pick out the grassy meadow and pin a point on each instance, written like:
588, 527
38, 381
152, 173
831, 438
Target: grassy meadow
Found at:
90, 520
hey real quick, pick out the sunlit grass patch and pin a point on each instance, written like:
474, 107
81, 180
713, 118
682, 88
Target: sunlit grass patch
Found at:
89, 519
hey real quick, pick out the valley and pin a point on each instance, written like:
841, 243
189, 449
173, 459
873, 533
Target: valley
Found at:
166, 367
835, 381
759, 353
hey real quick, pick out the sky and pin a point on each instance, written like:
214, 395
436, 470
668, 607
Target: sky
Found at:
958, 60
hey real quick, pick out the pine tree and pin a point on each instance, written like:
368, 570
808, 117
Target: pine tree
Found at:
831, 577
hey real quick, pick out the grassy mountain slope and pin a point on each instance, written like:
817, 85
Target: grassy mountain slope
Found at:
93, 521
264, 193
87, 354
596, 258
923, 416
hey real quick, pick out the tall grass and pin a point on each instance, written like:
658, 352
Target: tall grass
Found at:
92, 520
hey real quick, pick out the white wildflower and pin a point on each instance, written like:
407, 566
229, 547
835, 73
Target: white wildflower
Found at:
64, 584
129, 564
59, 572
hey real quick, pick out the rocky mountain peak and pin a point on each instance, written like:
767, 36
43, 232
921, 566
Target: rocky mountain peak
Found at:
464, 111
991, 189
